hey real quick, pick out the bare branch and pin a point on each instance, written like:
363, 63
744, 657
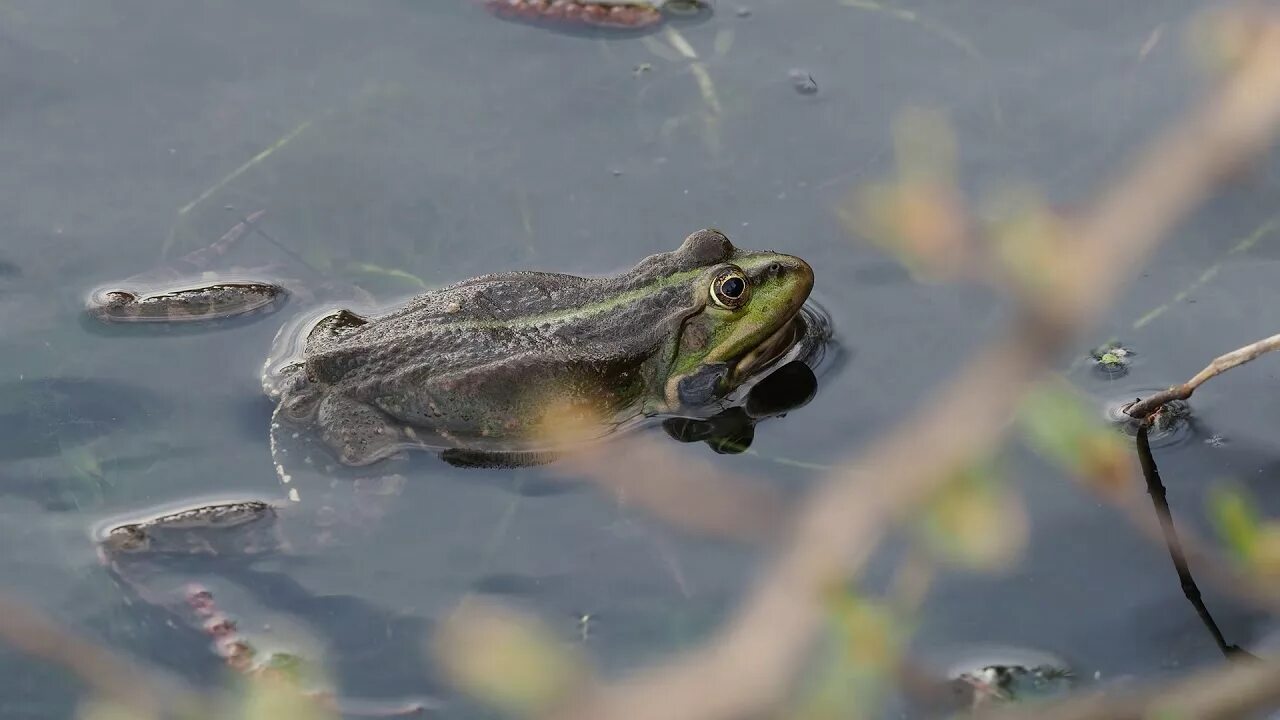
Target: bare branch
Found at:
1143, 408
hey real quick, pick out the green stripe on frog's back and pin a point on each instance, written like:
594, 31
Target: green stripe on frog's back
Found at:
751, 264
424, 339
574, 311
580, 312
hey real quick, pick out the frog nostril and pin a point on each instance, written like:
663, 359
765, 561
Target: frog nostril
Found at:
775, 268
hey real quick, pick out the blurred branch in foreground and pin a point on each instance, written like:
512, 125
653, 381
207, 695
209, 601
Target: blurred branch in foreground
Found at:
751, 664
1233, 691
702, 499
108, 674
1140, 409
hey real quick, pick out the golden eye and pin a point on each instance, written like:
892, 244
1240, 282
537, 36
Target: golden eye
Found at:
731, 289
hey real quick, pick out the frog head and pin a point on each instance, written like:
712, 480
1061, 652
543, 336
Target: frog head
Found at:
738, 319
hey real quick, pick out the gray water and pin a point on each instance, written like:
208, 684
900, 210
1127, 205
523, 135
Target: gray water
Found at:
409, 144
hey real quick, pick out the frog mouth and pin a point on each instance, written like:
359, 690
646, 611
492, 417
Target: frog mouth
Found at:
770, 349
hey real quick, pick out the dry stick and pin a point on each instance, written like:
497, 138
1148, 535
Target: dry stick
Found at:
749, 665
1190, 589
1245, 587
1140, 409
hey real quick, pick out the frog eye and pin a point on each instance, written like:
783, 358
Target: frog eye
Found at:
731, 289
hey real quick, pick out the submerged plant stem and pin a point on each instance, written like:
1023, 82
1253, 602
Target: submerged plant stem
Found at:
1155, 488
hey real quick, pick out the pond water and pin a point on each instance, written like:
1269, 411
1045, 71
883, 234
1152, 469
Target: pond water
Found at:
407, 144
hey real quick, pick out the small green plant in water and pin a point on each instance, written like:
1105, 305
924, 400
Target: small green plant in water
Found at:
1112, 359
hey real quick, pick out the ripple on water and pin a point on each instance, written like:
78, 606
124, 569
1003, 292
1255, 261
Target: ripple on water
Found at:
1112, 360
985, 672
1173, 424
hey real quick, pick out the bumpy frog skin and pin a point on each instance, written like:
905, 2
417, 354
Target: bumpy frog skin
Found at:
492, 361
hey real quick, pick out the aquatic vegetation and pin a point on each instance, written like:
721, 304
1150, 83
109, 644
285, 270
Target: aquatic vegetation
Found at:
1112, 359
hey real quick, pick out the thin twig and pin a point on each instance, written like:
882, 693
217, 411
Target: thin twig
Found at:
1141, 409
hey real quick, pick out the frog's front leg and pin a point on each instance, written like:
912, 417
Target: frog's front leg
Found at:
358, 433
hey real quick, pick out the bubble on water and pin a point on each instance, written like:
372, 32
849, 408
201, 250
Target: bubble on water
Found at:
990, 672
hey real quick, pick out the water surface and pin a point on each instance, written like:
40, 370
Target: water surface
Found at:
411, 144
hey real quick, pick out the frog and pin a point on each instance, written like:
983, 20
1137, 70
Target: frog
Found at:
496, 363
